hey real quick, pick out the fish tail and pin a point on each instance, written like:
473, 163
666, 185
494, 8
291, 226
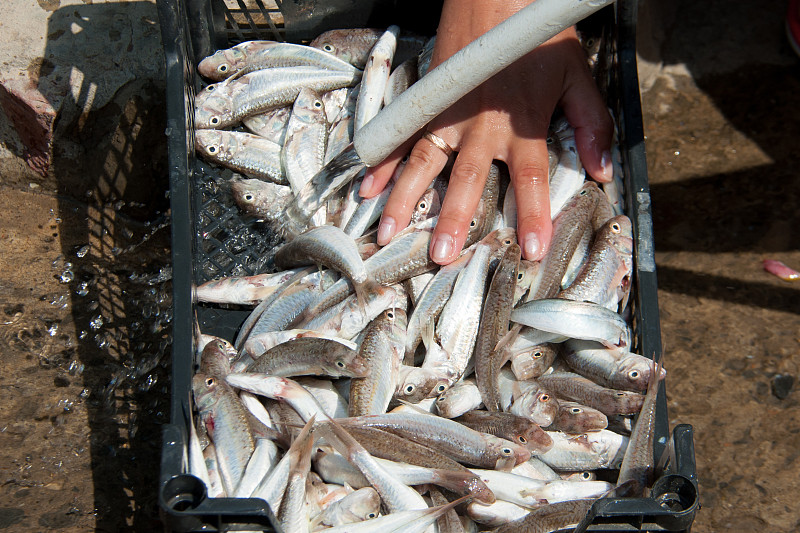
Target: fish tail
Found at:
365, 291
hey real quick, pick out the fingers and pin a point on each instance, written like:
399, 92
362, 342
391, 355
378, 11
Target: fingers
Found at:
376, 178
463, 194
587, 113
425, 161
529, 174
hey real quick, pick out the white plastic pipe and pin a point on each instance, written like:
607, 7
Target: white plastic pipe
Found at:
465, 70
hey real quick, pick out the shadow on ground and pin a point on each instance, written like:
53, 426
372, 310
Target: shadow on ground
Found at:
109, 165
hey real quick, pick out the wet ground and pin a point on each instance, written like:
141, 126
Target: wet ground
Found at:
84, 296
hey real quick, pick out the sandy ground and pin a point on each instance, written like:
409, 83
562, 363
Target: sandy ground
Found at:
83, 396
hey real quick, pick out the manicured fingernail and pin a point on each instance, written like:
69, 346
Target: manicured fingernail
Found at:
442, 247
366, 184
532, 247
608, 166
386, 230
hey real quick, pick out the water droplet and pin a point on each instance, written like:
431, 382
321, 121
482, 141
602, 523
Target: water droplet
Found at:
84, 394
96, 322
67, 275
83, 288
82, 335
75, 368
83, 250
52, 330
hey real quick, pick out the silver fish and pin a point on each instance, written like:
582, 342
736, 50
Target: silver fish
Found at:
255, 55
303, 151
246, 153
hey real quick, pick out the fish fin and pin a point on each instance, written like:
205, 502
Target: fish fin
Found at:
414, 406
427, 332
340, 439
505, 464
509, 337
365, 291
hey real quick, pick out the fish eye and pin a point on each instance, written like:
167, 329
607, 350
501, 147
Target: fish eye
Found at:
615, 227
248, 197
576, 410
317, 104
537, 354
371, 515
544, 398
210, 88
441, 388
520, 276
410, 389
586, 475
522, 440
422, 205
223, 68
390, 314
584, 192
507, 452
633, 374
441, 398
507, 241
340, 364
549, 140
210, 382
214, 120
328, 48
405, 159
212, 149
620, 394
472, 223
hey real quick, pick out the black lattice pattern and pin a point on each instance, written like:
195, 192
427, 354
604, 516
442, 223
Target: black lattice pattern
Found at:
247, 20
228, 243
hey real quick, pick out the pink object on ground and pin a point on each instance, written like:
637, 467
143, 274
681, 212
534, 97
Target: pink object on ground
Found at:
781, 270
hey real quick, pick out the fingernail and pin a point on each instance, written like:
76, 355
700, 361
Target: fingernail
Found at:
386, 230
532, 247
442, 247
366, 184
608, 166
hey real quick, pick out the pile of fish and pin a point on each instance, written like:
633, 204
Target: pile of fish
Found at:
372, 390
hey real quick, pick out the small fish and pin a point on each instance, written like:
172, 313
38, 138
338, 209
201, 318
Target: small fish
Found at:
331, 247
375, 77
261, 91
354, 45
517, 429
246, 153
255, 55
403, 77
310, 356
381, 350
261, 199
303, 151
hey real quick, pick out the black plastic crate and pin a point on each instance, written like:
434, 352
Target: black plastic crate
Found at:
211, 238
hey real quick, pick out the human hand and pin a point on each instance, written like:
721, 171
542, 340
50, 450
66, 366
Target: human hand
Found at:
506, 118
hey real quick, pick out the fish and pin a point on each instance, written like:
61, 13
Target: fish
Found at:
517, 429
354, 44
381, 350
255, 55
261, 91
261, 199
249, 154
494, 324
225, 419
310, 356
375, 77
331, 247
303, 150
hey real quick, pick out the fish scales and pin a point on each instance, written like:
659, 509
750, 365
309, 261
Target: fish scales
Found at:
382, 350
494, 324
